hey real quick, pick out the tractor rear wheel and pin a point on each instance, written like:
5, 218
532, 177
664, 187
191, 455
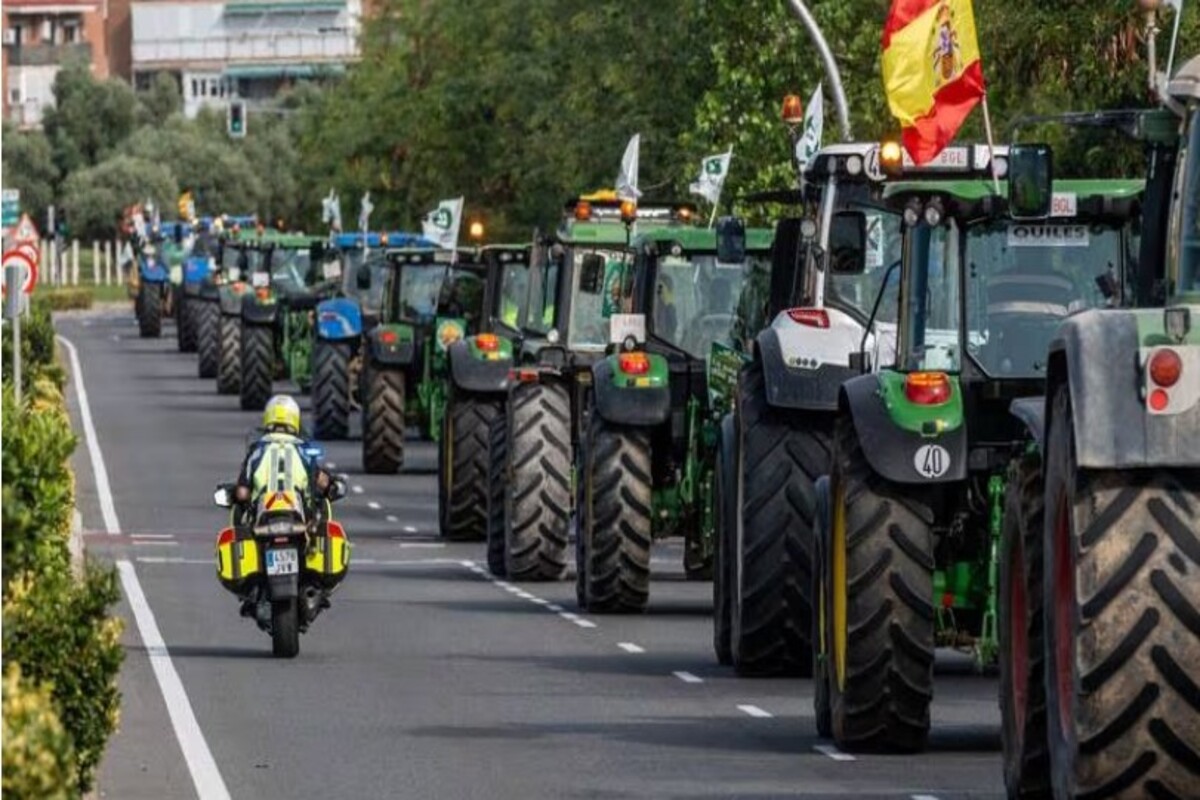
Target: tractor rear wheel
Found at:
463, 464
331, 389
779, 459
185, 325
383, 420
538, 495
822, 707
615, 519
497, 460
1022, 665
229, 362
258, 366
206, 321
879, 618
1122, 625
724, 508
150, 310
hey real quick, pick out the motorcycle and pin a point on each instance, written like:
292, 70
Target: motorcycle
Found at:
283, 555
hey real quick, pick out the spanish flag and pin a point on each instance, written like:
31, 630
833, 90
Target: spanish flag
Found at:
931, 71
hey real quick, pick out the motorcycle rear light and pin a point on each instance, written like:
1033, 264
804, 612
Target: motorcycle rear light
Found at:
1159, 399
487, 342
812, 317
226, 537
927, 388
388, 337
633, 363
1165, 367
336, 531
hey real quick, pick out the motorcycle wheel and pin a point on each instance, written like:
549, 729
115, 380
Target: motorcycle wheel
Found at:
285, 628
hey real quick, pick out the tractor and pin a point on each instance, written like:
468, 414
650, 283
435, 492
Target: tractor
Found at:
431, 299
646, 464
202, 293
477, 380
340, 323
907, 543
152, 291
563, 333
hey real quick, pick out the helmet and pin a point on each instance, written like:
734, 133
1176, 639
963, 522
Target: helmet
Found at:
282, 414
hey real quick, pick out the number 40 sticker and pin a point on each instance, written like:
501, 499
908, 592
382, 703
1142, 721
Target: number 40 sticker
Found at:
932, 460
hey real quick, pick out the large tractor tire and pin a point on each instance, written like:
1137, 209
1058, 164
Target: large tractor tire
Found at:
497, 463
285, 628
149, 310
879, 618
463, 465
383, 420
229, 360
1122, 625
331, 389
822, 706
538, 495
1022, 666
258, 366
185, 325
724, 523
780, 456
615, 519
206, 318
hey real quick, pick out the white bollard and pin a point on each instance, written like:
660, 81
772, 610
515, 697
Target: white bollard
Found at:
53, 263
44, 256
95, 263
74, 262
108, 262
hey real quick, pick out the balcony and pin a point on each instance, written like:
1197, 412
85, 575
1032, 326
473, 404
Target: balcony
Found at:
47, 55
332, 47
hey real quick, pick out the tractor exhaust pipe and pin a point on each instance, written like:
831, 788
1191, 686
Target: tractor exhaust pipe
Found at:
801, 12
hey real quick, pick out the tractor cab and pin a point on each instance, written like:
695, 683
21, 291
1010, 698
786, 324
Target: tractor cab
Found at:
363, 259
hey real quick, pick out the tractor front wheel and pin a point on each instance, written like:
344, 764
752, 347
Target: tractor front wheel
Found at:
331, 389
463, 464
383, 420
724, 508
206, 321
150, 310
1122, 624
497, 461
258, 366
229, 362
185, 326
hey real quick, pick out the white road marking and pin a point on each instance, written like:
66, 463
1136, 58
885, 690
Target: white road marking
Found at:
374, 506
584, 623
834, 753
392, 518
331, 465
924, 797
426, 545
151, 536
203, 768
205, 775
687, 677
103, 490
409, 529
755, 711
630, 647
555, 607
155, 543
356, 489
171, 560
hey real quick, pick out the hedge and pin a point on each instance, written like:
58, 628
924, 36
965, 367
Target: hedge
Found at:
39, 760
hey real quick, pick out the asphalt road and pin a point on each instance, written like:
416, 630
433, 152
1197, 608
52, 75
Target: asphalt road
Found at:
427, 679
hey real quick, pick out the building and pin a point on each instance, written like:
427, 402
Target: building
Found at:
241, 49
39, 37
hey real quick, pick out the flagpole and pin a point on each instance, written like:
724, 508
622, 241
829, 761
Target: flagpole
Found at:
717, 202
987, 126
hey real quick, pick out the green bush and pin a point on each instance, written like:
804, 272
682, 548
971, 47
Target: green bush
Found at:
50, 614
37, 346
39, 762
68, 299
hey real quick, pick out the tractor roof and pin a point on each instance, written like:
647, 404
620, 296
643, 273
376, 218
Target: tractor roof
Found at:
375, 239
1081, 197
274, 239
705, 239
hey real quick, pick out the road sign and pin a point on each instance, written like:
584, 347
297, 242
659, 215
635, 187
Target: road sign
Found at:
29, 249
15, 258
10, 200
25, 231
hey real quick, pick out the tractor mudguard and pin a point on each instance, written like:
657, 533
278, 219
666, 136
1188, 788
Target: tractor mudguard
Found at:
209, 291
152, 271
195, 271
476, 371
400, 351
794, 385
1032, 412
1100, 354
257, 311
899, 455
339, 318
619, 398
231, 301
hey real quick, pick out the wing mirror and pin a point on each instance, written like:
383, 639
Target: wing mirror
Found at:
338, 489
731, 240
223, 496
1030, 181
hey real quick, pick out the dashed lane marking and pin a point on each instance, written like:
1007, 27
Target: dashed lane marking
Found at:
687, 677
630, 647
517, 591
392, 518
755, 711
374, 506
834, 753
409, 529
425, 545
356, 489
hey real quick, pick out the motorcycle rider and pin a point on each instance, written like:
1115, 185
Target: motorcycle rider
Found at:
289, 468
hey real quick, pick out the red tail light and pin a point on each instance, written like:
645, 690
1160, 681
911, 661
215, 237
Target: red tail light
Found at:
487, 342
812, 317
1165, 367
1159, 399
633, 363
927, 388
523, 375
388, 337
226, 537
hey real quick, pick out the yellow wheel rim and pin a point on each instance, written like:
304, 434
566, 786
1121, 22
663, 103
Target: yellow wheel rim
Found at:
837, 581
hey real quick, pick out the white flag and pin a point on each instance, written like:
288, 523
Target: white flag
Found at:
364, 214
814, 124
440, 226
712, 176
331, 210
627, 179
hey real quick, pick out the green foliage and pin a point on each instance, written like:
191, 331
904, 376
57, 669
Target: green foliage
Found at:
89, 117
93, 197
48, 614
64, 299
29, 166
161, 100
39, 761
37, 346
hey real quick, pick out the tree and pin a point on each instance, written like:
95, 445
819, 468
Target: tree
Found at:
161, 100
29, 167
94, 197
89, 118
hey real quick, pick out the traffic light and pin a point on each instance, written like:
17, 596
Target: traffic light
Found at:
237, 118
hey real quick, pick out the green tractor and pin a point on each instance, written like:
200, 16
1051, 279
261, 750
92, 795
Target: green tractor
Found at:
564, 331
907, 548
646, 464
431, 299
477, 379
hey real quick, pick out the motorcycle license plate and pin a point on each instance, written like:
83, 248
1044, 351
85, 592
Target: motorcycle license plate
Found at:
282, 562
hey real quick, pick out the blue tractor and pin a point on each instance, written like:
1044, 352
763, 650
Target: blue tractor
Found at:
341, 322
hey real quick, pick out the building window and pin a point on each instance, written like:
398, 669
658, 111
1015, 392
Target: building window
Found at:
14, 95
70, 34
195, 88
